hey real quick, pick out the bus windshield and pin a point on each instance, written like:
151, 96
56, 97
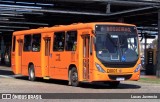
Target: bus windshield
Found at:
116, 43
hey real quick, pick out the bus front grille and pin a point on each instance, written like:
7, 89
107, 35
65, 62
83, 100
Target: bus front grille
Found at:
119, 65
114, 77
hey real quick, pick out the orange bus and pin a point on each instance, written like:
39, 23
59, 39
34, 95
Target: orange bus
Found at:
83, 52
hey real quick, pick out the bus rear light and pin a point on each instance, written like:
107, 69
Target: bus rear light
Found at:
100, 68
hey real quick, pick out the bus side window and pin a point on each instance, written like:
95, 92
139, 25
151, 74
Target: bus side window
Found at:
71, 40
36, 42
27, 43
59, 41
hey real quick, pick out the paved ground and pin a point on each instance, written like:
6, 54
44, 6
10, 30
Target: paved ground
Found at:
10, 83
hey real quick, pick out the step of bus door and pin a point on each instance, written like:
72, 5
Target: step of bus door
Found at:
85, 81
46, 77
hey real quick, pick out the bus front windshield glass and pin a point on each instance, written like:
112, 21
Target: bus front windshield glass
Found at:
116, 43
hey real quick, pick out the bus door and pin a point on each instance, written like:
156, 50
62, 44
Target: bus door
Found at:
86, 40
47, 55
20, 48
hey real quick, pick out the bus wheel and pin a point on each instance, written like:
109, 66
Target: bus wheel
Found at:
31, 75
114, 84
74, 77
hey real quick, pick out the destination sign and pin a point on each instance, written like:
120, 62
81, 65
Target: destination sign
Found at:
114, 28
118, 29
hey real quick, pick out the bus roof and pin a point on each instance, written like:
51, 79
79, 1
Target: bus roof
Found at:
73, 26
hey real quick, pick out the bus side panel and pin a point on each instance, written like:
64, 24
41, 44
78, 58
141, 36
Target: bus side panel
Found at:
42, 55
26, 58
79, 55
13, 62
37, 63
91, 59
45, 54
70, 57
13, 56
51, 61
18, 59
31, 57
59, 63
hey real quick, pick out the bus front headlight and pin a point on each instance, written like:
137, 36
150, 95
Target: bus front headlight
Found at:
138, 68
100, 68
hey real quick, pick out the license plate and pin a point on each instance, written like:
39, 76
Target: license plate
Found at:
120, 79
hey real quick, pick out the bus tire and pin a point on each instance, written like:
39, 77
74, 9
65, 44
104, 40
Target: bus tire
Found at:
31, 72
114, 84
73, 77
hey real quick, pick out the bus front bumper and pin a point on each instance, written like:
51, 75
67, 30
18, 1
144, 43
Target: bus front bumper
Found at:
99, 76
